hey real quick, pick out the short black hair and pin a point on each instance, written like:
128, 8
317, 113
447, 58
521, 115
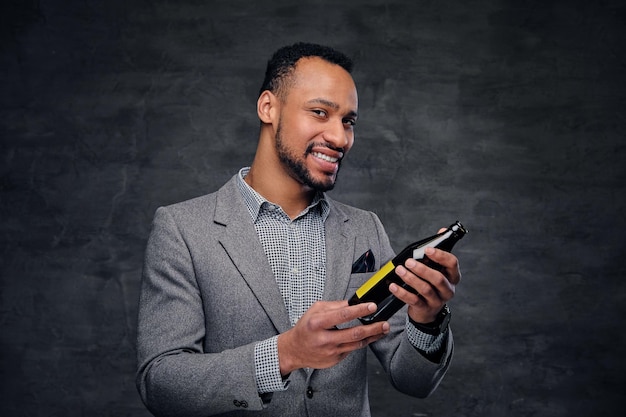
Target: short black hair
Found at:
284, 61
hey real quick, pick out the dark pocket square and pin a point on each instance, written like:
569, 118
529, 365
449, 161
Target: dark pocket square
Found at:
365, 263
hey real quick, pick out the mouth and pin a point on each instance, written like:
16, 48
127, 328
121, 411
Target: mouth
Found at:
325, 157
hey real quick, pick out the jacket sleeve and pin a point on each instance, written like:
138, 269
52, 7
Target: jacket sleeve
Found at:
175, 377
409, 370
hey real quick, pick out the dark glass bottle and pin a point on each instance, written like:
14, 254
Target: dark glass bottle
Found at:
376, 289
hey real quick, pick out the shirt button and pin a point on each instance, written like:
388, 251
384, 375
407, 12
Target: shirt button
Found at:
309, 392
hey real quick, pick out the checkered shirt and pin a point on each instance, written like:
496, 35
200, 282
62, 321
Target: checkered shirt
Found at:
296, 252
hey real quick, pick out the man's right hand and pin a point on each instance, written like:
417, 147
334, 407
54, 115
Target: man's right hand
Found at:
315, 342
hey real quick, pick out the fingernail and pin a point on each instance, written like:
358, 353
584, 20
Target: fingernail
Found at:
372, 307
410, 263
429, 251
386, 327
393, 287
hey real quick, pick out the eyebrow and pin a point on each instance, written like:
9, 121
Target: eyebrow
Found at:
332, 105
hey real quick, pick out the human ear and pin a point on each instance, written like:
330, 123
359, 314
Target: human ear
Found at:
265, 106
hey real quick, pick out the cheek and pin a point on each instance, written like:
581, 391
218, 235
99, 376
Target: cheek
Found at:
309, 133
302, 129
350, 136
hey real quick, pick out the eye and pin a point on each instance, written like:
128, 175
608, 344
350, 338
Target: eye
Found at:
349, 122
320, 112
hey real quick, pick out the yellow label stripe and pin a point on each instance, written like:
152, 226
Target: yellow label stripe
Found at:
375, 279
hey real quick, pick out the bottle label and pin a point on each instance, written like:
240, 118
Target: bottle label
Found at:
419, 253
375, 279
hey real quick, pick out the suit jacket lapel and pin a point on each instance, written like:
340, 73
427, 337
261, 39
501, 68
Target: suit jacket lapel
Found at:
340, 243
240, 240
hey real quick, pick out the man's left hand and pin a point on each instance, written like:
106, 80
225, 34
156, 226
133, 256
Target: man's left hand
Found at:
434, 288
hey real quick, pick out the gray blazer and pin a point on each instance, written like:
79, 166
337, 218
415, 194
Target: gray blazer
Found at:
208, 295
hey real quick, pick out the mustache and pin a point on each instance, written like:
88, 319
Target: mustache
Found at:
310, 147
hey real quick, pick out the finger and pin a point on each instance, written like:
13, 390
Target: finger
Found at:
340, 312
330, 305
417, 271
346, 348
427, 282
358, 333
360, 336
448, 262
354, 312
409, 297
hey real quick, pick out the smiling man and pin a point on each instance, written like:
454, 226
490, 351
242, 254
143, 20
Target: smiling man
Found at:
242, 308
306, 129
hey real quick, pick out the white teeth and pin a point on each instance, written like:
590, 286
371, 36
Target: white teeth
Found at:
324, 157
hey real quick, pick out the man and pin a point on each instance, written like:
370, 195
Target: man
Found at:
242, 308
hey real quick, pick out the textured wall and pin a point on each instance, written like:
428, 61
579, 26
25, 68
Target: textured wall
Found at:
507, 115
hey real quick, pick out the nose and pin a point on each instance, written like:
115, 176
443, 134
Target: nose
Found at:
338, 135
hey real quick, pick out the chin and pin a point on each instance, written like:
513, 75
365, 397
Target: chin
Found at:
322, 185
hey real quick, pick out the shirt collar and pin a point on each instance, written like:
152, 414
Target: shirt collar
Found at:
255, 202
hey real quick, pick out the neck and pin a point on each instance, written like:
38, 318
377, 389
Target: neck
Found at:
289, 194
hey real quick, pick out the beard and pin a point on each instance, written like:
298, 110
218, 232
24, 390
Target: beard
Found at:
297, 167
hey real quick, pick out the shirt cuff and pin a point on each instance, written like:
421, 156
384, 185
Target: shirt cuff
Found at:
267, 367
424, 342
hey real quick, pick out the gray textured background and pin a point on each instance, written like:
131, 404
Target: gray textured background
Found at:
507, 115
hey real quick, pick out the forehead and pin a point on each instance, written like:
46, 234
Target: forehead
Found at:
316, 78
